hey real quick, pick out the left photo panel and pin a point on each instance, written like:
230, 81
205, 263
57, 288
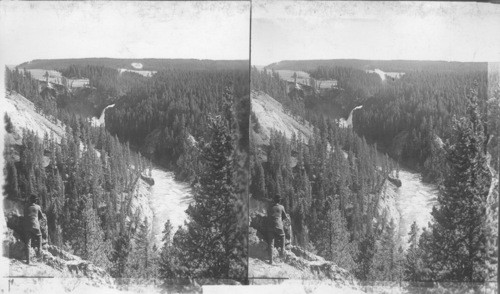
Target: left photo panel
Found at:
124, 140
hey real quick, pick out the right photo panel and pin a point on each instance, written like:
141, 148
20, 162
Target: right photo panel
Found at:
374, 150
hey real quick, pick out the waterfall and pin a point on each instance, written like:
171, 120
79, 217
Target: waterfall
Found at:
101, 120
348, 123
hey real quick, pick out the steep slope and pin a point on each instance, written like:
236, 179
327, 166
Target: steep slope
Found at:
79, 274
56, 270
272, 116
23, 115
296, 265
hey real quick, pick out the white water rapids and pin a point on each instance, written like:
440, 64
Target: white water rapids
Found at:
169, 201
414, 202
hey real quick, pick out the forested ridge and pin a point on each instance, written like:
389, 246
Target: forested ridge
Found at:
354, 86
408, 117
385, 65
152, 64
407, 114
164, 115
160, 116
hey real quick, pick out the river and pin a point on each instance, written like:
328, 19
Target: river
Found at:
169, 198
169, 201
414, 202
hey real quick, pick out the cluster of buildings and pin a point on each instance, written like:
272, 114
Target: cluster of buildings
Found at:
54, 79
309, 86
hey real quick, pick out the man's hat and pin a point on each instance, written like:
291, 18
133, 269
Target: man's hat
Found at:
33, 198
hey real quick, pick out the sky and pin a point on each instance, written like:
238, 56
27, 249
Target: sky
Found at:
295, 30
48, 30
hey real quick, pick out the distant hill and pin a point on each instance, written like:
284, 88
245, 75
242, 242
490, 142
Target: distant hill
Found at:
149, 64
385, 65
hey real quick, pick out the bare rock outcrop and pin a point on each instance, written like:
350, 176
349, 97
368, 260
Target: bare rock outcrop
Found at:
296, 265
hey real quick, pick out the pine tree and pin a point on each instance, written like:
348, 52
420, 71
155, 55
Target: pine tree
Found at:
258, 185
94, 247
413, 262
212, 244
11, 186
140, 259
334, 243
119, 257
387, 260
9, 128
167, 262
459, 231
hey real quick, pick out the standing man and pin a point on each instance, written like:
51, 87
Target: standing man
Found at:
276, 213
32, 216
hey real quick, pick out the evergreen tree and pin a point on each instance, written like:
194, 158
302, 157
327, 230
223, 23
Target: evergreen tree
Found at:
387, 260
9, 128
334, 244
140, 264
459, 230
413, 262
11, 186
119, 257
94, 248
167, 261
212, 244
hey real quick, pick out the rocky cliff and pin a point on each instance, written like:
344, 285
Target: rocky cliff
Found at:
56, 270
296, 266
